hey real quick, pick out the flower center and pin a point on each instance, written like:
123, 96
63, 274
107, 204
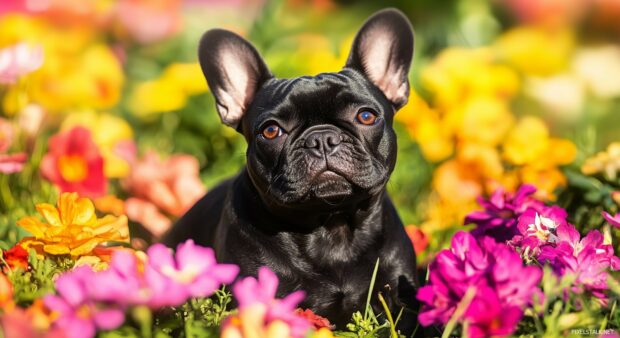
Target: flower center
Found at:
83, 312
72, 168
185, 276
543, 229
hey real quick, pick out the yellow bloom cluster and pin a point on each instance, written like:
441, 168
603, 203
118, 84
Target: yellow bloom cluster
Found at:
470, 130
606, 162
72, 228
169, 92
79, 69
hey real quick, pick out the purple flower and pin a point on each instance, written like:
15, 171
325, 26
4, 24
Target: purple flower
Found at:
485, 265
251, 292
79, 314
488, 317
538, 228
588, 258
614, 221
193, 268
501, 211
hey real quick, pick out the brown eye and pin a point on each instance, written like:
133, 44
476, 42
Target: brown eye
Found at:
272, 131
366, 117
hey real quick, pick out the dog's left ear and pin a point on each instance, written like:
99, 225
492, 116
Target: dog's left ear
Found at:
382, 51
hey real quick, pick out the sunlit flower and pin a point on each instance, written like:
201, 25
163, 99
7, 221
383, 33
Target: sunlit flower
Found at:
501, 211
74, 163
605, 162
192, 267
32, 322
149, 21
172, 185
483, 267
113, 136
169, 92
16, 258
552, 13
6, 293
9, 163
261, 312
72, 228
19, 60
317, 321
550, 48
613, 220
79, 316
418, 238
563, 95
599, 67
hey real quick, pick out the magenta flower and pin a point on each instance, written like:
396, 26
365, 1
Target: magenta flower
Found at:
262, 291
193, 268
501, 211
589, 258
488, 317
614, 221
79, 314
538, 228
19, 60
486, 266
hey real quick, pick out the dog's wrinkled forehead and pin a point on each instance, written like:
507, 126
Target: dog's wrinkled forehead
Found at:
315, 99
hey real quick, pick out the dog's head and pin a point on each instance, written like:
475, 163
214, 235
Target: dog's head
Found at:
315, 140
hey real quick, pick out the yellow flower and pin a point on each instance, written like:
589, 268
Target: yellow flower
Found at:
547, 181
485, 120
425, 126
169, 92
606, 162
112, 134
459, 73
536, 51
78, 70
72, 228
529, 144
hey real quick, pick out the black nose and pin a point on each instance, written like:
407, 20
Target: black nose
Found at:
322, 142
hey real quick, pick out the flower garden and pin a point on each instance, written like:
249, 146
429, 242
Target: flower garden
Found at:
508, 172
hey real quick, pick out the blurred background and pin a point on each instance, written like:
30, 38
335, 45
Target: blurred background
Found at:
106, 98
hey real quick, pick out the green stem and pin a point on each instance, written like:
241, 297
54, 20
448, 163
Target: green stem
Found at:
389, 316
458, 313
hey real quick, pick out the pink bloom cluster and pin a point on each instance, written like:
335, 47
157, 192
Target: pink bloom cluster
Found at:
549, 238
89, 300
9, 163
19, 60
493, 272
261, 292
501, 211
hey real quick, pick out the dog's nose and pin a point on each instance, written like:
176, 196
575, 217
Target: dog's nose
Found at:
322, 142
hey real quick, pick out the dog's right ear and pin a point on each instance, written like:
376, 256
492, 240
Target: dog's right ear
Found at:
234, 71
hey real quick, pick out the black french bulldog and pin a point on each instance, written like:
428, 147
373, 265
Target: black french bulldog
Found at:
311, 203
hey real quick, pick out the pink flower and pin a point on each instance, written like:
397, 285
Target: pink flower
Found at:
149, 21
74, 163
251, 293
79, 315
9, 163
488, 317
501, 212
192, 268
171, 186
19, 60
538, 228
489, 268
614, 221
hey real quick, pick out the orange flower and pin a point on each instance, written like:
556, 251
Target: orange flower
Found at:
162, 186
6, 293
72, 228
16, 258
418, 238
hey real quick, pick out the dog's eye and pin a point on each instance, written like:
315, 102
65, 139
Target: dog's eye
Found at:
366, 117
272, 131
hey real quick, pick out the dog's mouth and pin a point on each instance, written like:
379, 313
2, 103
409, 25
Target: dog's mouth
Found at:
331, 186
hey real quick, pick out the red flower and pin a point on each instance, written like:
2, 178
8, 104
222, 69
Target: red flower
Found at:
74, 163
418, 238
314, 319
16, 257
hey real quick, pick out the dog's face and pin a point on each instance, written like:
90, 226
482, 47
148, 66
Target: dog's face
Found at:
324, 140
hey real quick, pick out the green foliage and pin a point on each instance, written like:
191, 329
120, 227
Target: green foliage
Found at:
38, 280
